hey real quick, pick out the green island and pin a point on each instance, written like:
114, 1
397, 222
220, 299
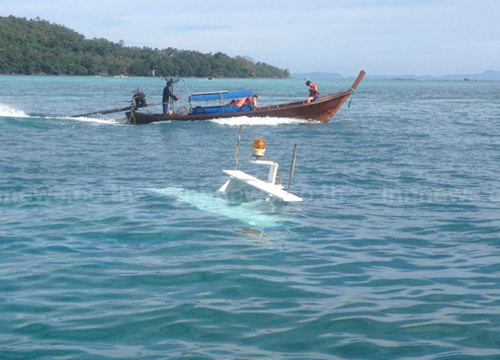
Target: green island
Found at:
38, 47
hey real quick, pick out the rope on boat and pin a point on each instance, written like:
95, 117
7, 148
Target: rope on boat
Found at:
350, 97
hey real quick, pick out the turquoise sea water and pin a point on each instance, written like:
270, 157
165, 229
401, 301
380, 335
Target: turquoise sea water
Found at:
115, 244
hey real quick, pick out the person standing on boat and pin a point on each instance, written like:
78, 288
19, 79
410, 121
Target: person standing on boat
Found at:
313, 91
167, 95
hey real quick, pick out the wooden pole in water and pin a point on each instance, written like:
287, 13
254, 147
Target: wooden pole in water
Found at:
132, 109
293, 167
237, 148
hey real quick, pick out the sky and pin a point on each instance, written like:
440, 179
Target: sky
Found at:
382, 37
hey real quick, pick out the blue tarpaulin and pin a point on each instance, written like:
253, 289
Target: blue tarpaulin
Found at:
221, 95
221, 109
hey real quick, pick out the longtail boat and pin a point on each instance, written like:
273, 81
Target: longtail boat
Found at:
322, 109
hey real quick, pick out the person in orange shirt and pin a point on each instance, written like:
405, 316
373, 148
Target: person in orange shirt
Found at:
313, 91
249, 101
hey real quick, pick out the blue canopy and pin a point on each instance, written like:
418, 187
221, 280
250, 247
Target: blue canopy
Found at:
221, 95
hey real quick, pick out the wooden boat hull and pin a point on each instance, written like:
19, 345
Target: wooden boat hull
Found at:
322, 109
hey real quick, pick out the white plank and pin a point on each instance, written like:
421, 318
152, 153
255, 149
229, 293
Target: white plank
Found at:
274, 190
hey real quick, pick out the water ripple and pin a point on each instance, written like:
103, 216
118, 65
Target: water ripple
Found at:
114, 243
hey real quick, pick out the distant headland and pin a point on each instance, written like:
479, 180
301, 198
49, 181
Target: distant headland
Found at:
37, 47
491, 75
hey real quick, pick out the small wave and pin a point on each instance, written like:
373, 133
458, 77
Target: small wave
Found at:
245, 120
8, 111
93, 120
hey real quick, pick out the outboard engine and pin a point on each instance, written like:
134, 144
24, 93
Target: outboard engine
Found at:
139, 99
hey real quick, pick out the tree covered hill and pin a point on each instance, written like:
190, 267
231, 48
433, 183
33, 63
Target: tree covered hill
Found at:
39, 47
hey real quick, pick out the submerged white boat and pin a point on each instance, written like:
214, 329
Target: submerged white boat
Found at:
238, 178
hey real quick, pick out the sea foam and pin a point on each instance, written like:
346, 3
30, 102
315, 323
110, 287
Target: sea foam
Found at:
9, 111
245, 120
